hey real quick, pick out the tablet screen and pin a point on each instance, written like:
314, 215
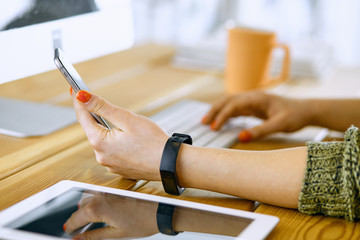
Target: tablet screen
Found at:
98, 215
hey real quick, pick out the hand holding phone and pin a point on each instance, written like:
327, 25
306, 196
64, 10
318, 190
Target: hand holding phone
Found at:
74, 79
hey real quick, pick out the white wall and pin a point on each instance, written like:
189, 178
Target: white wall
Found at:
185, 21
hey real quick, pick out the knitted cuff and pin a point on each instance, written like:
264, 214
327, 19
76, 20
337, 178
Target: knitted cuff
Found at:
332, 178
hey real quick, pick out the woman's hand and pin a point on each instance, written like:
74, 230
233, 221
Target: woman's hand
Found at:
132, 149
279, 114
124, 217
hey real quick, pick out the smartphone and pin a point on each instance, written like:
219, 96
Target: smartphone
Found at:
74, 79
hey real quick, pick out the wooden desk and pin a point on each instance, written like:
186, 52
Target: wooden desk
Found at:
142, 80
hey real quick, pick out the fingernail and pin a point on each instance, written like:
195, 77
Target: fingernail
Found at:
71, 90
203, 119
244, 136
64, 227
213, 125
83, 96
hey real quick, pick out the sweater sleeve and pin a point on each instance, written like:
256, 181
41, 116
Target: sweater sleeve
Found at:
332, 178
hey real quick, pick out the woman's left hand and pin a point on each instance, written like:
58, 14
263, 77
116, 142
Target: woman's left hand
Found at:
133, 148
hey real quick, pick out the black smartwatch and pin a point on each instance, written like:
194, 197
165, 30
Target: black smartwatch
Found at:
168, 163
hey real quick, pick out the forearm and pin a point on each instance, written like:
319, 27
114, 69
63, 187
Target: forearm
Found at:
273, 177
190, 220
337, 114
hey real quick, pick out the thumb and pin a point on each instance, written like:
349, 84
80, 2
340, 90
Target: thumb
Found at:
97, 105
259, 131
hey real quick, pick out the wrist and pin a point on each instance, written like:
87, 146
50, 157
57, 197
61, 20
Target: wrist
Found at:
203, 168
191, 168
311, 110
182, 166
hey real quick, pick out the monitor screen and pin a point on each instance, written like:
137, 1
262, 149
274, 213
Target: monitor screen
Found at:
32, 12
84, 29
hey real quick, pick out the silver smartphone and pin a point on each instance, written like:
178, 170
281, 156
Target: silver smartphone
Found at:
74, 79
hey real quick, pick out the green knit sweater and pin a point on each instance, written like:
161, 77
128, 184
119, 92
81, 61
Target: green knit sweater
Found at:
332, 178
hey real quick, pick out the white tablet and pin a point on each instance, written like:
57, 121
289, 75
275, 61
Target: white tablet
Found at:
96, 212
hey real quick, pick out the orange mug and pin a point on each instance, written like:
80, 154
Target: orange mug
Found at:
248, 60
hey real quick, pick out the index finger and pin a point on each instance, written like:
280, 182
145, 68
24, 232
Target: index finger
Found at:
215, 108
78, 219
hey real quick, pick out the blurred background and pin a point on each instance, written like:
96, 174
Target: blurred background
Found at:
321, 33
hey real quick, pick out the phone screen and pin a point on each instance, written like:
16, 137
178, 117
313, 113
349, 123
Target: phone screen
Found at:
74, 79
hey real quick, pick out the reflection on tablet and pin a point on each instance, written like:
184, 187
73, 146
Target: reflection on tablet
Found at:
112, 216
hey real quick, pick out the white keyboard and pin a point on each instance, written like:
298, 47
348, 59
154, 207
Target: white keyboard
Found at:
185, 117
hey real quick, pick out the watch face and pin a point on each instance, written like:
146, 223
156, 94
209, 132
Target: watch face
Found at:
180, 137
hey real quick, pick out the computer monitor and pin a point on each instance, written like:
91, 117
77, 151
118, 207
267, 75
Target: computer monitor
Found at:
29, 32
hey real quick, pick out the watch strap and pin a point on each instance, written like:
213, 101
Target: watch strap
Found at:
164, 216
168, 163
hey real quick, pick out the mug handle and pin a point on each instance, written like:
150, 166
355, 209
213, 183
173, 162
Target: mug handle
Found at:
284, 75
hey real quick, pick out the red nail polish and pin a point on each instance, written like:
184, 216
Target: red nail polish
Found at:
213, 125
244, 136
71, 90
203, 119
64, 227
83, 96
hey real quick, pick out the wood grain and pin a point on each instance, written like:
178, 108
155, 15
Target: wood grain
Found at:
25, 155
294, 225
75, 163
44, 86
